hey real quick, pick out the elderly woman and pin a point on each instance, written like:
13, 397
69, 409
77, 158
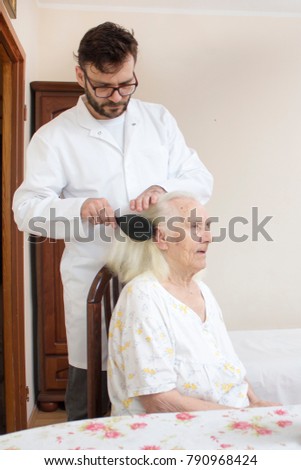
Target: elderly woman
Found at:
168, 346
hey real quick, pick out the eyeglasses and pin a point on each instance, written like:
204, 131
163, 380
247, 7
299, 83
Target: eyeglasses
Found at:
107, 91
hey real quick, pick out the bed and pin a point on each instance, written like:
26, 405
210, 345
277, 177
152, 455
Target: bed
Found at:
273, 362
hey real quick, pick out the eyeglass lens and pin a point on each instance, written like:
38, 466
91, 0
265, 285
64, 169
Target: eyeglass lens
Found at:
105, 92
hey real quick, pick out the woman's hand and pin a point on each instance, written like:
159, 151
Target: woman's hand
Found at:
256, 402
261, 403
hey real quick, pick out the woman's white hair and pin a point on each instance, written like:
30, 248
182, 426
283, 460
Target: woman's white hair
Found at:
129, 258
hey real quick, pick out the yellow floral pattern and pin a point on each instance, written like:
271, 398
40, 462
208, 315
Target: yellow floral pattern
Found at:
156, 344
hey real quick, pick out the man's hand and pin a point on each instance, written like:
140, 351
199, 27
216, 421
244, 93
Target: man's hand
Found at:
149, 196
98, 211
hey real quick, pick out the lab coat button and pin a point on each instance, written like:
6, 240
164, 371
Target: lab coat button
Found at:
99, 132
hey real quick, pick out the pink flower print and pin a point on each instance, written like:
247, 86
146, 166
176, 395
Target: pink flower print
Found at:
226, 446
284, 423
242, 425
280, 412
111, 434
135, 426
184, 416
59, 439
94, 427
261, 431
150, 448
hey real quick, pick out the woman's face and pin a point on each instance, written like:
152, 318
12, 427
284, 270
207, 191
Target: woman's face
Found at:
187, 236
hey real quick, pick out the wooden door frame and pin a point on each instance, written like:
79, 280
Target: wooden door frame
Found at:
13, 59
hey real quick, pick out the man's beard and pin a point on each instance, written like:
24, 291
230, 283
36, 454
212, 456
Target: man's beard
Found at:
107, 109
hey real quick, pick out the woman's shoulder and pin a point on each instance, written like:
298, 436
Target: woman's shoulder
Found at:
141, 297
145, 283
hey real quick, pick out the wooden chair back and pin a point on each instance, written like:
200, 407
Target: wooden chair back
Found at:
102, 298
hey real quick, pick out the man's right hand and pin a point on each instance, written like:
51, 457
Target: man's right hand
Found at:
98, 211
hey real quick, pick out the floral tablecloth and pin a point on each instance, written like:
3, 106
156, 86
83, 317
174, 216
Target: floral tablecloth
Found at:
251, 428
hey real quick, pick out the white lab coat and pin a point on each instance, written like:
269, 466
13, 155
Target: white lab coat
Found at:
72, 158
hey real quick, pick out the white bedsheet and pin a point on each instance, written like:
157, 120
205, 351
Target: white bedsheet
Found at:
273, 362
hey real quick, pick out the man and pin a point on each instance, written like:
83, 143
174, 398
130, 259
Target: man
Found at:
108, 154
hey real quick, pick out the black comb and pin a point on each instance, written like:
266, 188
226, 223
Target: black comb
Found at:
135, 226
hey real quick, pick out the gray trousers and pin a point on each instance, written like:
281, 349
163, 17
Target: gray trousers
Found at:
76, 394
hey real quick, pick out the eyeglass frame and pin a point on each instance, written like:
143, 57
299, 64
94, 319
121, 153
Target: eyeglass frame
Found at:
114, 88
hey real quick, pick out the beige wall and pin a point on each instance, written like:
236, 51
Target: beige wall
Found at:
234, 86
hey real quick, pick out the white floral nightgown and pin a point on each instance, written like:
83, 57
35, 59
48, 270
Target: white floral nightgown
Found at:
157, 344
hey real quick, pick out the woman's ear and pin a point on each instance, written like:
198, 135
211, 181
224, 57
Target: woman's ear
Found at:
80, 76
160, 239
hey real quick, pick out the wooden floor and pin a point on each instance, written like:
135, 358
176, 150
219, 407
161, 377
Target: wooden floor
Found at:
43, 418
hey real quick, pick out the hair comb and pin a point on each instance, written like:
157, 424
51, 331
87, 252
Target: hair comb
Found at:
135, 226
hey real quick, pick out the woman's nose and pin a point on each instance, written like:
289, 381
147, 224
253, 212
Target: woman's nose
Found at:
207, 236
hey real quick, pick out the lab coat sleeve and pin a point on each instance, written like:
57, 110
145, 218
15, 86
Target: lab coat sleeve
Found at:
38, 206
186, 170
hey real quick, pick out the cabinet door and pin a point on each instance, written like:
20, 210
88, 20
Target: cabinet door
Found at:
49, 100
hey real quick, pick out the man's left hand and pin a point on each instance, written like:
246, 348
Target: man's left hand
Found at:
149, 196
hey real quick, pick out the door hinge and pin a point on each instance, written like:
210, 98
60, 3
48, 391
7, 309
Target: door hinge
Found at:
27, 392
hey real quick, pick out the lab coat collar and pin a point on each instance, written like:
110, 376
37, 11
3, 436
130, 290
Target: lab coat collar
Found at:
86, 120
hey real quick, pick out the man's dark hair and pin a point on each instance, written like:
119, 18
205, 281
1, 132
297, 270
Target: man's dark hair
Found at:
107, 46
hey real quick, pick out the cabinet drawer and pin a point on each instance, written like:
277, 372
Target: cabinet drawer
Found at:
56, 372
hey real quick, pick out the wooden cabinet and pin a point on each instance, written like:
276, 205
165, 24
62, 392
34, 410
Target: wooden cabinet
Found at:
49, 99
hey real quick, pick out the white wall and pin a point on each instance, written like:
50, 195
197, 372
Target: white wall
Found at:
233, 83
234, 86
